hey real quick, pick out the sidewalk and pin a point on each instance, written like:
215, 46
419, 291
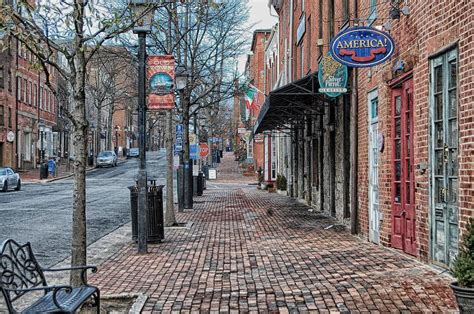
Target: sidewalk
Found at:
253, 251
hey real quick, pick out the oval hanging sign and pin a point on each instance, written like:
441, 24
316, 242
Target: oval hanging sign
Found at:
362, 47
332, 77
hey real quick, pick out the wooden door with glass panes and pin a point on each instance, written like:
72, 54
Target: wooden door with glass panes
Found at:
444, 158
403, 188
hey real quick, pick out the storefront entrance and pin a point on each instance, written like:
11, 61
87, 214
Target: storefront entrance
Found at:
374, 213
403, 188
444, 158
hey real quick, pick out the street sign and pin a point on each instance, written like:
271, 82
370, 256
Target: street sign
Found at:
179, 138
179, 129
194, 151
203, 150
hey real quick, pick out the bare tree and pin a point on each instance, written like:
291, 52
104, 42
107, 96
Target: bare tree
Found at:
76, 30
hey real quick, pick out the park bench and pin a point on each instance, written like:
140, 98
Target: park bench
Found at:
21, 273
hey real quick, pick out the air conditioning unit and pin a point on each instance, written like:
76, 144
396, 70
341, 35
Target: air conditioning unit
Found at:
320, 42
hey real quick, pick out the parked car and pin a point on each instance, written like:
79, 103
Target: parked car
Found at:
133, 152
9, 179
107, 158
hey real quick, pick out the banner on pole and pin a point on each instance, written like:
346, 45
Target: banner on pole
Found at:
160, 75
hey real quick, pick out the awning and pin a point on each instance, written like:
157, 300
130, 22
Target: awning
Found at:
287, 106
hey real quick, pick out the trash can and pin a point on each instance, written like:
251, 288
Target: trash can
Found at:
200, 184
155, 219
205, 170
90, 160
44, 171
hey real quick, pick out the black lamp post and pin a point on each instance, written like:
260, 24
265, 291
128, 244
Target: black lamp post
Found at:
145, 11
185, 193
117, 129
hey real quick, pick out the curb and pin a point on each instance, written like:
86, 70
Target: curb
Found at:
65, 176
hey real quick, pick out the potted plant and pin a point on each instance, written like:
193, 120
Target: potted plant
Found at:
463, 271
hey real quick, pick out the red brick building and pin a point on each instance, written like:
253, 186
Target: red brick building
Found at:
28, 110
393, 157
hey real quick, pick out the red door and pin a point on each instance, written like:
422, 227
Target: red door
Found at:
403, 189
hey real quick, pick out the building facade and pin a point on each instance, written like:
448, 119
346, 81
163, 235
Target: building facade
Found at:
393, 157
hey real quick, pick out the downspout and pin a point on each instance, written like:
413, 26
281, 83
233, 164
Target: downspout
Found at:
17, 157
354, 145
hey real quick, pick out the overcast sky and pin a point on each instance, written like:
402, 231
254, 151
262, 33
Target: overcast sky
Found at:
260, 16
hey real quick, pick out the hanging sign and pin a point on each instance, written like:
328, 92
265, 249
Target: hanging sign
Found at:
160, 75
362, 47
332, 77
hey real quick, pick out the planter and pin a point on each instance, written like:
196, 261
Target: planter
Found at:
464, 297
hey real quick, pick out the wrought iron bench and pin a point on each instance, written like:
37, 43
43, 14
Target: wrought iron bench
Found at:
20, 273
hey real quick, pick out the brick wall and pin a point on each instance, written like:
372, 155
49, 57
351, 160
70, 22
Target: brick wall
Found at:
428, 29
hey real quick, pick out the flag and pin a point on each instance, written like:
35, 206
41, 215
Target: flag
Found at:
251, 94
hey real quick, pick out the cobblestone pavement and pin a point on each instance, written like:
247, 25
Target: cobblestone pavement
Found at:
249, 250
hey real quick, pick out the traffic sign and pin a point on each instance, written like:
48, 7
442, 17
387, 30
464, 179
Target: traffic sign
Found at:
179, 129
193, 151
203, 150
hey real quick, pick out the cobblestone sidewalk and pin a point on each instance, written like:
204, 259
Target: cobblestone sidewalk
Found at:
249, 250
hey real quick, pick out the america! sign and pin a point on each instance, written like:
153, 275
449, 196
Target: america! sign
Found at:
362, 47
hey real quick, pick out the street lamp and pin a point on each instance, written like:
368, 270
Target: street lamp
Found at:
143, 10
41, 129
117, 129
185, 188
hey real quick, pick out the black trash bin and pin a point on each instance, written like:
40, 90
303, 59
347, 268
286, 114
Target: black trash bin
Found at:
155, 219
44, 171
200, 184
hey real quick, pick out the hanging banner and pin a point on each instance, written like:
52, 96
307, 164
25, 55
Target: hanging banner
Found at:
362, 47
160, 75
332, 77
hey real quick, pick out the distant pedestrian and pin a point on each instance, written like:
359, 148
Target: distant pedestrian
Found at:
52, 167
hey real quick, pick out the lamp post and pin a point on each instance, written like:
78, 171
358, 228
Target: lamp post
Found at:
41, 157
144, 10
117, 129
185, 194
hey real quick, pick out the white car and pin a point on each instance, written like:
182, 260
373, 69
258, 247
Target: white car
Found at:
107, 158
9, 179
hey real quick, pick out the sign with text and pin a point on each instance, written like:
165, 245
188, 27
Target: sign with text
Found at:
362, 47
160, 75
332, 77
179, 137
203, 150
194, 151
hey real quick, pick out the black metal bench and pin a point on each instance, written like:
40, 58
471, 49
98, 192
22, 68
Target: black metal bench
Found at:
20, 273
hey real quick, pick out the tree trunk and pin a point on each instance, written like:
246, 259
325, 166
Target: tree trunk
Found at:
79, 238
170, 218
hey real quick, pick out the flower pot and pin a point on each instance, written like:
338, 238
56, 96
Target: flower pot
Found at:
464, 297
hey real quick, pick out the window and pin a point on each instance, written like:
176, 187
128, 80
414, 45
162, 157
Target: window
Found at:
41, 96
18, 88
27, 88
2, 116
372, 12
9, 80
9, 117
345, 12
331, 19
35, 94
24, 88
2, 78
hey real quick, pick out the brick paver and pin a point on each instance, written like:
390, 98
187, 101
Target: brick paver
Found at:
252, 251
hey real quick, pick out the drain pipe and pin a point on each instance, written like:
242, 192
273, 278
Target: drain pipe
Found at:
354, 145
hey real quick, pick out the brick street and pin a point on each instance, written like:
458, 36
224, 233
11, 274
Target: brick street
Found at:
249, 250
